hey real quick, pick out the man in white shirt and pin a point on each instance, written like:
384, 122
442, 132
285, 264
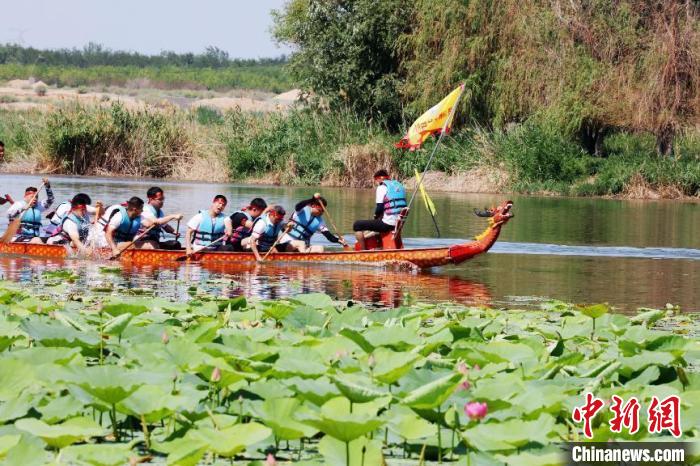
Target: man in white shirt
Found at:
153, 211
63, 209
75, 226
124, 224
390, 200
30, 208
209, 226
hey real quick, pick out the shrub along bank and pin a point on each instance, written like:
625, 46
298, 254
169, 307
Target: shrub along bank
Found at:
339, 148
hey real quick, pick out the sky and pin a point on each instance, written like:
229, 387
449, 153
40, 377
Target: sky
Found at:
242, 28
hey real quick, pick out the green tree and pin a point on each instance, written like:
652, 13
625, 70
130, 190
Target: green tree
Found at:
346, 52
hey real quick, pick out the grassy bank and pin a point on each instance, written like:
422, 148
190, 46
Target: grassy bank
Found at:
338, 148
103, 379
268, 77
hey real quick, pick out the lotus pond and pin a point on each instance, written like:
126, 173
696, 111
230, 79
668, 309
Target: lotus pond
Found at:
99, 379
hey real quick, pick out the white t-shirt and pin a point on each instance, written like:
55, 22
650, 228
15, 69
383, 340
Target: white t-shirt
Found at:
64, 209
116, 220
69, 227
389, 219
194, 222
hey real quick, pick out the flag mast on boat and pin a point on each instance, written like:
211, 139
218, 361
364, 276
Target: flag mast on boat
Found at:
436, 120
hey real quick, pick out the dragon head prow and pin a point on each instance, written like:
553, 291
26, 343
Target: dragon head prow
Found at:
498, 215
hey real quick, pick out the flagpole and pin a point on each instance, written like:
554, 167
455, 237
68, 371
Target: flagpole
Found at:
442, 133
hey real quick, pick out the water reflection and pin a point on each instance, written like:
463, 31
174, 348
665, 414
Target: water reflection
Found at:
373, 285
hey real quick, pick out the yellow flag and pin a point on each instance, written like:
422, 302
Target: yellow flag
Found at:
428, 202
431, 122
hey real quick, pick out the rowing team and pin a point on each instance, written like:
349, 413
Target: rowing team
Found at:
257, 227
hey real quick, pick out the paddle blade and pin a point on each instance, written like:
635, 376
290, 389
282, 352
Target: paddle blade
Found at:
11, 231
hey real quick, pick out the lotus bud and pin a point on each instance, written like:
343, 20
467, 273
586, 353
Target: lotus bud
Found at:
462, 368
476, 367
270, 461
371, 361
216, 375
465, 385
164, 337
475, 410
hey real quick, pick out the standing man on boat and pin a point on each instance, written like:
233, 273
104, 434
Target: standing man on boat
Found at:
30, 226
124, 223
209, 226
153, 212
75, 224
307, 220
63, 210
242, 222
390, 199
266, 229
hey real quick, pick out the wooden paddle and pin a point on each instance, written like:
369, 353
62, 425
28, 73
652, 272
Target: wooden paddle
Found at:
346, 246
200, 250
14, 225
284, 232
138, 237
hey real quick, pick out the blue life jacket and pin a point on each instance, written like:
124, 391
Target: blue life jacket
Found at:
395, 198
304, 225
127, 229
241, 231
30, 224
269, 234
57, 219
82, 223
156, 231
209, 230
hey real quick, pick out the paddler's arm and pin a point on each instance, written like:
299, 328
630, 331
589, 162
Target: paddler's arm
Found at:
254, 248
164, 222
228, 227
109, 236
75, 237
188, 240
379, 211
300, 205
49, 195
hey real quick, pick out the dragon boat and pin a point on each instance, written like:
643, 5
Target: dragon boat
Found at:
418, 257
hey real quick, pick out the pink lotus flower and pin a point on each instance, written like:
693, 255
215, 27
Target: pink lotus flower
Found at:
462, 368
216, 375
270, 461
476, 410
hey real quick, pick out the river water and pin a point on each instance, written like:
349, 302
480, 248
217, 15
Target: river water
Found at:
628, 253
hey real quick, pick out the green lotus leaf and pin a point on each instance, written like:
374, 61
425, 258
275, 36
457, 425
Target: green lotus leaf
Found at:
314, 300
391, 365
15, 377
97, 455
109, 384
232, 440
278, 414
304, 317
60, 408
362, 451
509, 435
551, 458
317, 391
277, 311
61, 435
400, 338
7, 442
118, 307
116, 325
357, 338
299, 361
186, 451
433, 394
595, 311
155, 402
29, 451
357, 388
55, 334
234, 304
338, 420
407, 425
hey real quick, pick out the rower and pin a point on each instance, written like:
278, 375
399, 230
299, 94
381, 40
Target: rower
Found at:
266, 229
124, 222
62, 210
390, 200
30, 226
75, 226
209, 226
153, 212
306, 220
242, 222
